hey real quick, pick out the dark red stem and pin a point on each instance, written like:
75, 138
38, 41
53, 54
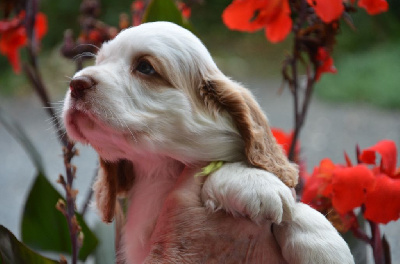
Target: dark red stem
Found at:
34, 76
376, 243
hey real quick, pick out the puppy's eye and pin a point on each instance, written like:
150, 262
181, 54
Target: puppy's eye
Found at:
145, 68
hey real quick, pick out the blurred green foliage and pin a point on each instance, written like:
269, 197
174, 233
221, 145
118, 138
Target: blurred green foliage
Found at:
370, 76
239, 54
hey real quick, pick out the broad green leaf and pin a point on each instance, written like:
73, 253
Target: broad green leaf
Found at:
45, 228
14, 252
19, 134
165, 10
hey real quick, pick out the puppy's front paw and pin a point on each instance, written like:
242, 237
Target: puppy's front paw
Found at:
249, 192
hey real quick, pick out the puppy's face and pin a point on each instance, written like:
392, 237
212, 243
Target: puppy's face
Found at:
144, 95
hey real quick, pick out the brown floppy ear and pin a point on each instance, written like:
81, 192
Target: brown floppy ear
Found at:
114, 179
261, 148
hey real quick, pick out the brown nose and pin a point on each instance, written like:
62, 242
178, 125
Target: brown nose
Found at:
79, 85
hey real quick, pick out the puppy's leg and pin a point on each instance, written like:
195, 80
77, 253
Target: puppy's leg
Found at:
310, 238
250, 192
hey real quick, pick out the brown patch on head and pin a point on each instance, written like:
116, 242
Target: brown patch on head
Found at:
261, 148
114, 179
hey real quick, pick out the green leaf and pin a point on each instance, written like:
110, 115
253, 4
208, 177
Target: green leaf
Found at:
19, 134
14, 252
45, 228
165, 10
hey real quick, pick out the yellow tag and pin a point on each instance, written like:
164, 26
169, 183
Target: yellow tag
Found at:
210, 168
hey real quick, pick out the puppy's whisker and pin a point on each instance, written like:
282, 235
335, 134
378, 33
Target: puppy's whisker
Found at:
63, 82
87, 44
84, 55
123, 124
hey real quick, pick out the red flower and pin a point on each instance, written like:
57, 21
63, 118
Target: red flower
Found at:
13, 37
285, 140
327, 10
325, 63
253, 15
383, 201
387, 150
346, 188
40, 25
319, 185
10, 43
374, 7
350, 187
185, 10
318, 191
137, 8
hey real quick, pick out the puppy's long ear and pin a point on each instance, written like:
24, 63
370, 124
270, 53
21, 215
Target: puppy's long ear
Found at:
114, 179
261, 148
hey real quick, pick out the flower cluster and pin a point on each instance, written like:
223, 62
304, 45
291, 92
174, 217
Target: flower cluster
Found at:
275, 15
13, 36
314, 23
375, 187
253, 15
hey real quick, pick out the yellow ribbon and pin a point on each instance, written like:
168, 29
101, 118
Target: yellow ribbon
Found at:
210, 168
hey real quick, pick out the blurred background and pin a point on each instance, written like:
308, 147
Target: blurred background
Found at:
358, 105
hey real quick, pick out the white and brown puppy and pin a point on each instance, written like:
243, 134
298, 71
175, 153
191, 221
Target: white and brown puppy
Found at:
157, 110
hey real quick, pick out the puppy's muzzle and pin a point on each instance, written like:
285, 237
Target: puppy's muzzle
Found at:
79, 85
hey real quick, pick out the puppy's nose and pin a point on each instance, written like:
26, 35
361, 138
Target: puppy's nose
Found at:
79, 85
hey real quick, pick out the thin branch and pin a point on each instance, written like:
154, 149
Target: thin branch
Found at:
376, 243
32, 72
360, 234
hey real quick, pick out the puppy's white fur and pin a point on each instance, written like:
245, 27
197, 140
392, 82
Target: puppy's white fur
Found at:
180, 119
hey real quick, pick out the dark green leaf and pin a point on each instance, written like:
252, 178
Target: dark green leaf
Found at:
164, 10
45, 228
14, 252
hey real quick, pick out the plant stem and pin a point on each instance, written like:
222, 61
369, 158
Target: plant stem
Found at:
300, 111
34, 76
376, 243
360, 234
69, 153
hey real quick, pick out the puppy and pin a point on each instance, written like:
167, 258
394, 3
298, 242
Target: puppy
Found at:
158, 110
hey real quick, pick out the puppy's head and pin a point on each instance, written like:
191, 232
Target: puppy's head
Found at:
155, 90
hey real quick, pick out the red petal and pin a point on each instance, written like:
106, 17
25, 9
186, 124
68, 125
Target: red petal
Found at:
349, 187
382, 204
388, 151
41, 25
374, 7
278, 29
137, 5
326, 168
283, 139
327, 10
239, 15
319, 183
348, 160
13, 58
11, 41
312, 188
326, 63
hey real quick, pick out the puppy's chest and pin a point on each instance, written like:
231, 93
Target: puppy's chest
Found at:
146, 200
